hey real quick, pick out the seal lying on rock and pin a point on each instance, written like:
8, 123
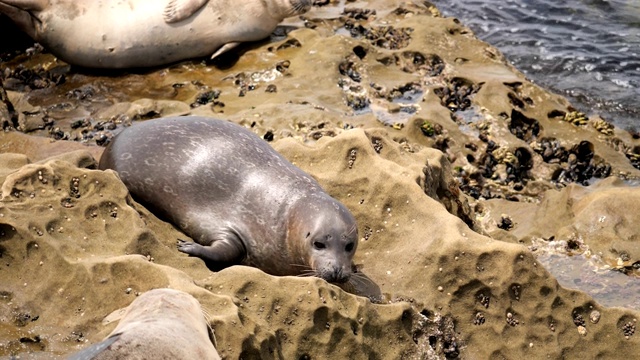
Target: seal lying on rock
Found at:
241, 201
160, 324
138, 33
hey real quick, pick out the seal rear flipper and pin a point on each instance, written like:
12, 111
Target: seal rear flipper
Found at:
27, 5
219, 255
94, 350
224, 48
20, 16
178, 10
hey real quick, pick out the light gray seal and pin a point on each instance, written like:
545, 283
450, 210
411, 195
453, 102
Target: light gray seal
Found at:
141, 33
160, 324
241, 201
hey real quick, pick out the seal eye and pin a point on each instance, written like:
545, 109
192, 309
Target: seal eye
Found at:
318, 245
349, 247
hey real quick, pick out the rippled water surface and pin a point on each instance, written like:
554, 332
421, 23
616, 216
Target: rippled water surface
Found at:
588, 50
580, 272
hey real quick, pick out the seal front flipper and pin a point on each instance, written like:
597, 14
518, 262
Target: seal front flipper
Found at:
219, 255
178, 10
224, 48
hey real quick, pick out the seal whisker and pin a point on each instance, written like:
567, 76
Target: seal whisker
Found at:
306, 270
212, 333
353, 229
303, 266
300, 6
363, 278
307, 273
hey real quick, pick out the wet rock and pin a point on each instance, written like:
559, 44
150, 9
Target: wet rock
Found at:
517, 98
289, 43
8, 116
634, 156
271, 88
349, 67
268, 136
524, 128
205, 98
359, 13
603, 126
628, 329
81, 123
85, 92
23, 79
413, 61
31, 122
505, 223
429, 129
576, 118
456, 96
408, 93
551, 150
360, 51
386, 37
582, 165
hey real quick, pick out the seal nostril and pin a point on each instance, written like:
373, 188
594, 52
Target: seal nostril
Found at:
340, 276
319, 245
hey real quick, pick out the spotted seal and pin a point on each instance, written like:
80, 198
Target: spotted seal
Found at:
241, 201
160, 324
139, 33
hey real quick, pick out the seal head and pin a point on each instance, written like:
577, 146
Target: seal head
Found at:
160, 324
325, 240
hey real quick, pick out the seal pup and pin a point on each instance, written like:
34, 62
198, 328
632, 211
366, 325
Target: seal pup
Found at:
159, 324
114, 34
241, 201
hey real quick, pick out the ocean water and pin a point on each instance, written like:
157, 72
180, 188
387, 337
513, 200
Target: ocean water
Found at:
587, 50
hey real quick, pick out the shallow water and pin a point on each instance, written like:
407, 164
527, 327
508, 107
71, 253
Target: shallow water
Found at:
588, 274
588, 50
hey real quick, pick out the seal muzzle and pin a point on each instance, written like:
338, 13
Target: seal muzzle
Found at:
300, 6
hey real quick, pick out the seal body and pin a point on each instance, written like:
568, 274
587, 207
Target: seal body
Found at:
160, 324
141, 33
241, 201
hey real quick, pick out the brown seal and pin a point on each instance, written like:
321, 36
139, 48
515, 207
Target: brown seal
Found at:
160, 324
241, 201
